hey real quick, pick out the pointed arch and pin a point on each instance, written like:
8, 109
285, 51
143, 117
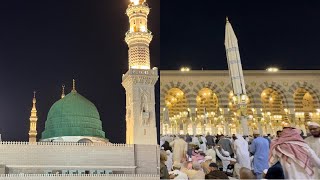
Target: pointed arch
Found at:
287, 101
310, 88
210, 85
166, 87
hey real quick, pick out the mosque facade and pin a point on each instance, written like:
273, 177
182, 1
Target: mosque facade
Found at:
201, 102
73, 144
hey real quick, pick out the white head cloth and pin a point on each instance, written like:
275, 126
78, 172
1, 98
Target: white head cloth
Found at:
240, 137
207, 158
256, 132
313, 124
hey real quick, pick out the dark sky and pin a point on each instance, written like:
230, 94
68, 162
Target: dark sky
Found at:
280, 33
44, 44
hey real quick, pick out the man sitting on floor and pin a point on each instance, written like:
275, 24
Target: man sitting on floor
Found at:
215, 173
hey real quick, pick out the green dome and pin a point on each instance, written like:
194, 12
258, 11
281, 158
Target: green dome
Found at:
73, 115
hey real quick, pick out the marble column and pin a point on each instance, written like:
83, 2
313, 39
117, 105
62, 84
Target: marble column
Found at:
204, 129
194, 128
258, 115
185, 128
238, 130
291, 116
213, 129
173, 129
226, 121
226, 129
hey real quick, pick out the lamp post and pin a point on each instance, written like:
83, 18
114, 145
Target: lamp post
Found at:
241, 108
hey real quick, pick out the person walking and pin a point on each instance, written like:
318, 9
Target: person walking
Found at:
179, 147
260, 149
242, 151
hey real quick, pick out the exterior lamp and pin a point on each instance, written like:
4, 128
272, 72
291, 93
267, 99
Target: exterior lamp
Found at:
185, 69
234, 98
272, 69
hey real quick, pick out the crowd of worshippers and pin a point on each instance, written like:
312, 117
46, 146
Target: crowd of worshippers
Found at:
287, 155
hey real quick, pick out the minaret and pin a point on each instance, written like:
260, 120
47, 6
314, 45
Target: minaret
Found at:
236, 74
140, 80
33, 121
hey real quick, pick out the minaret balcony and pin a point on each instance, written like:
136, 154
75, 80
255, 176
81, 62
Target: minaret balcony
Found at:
152, 72
136, 37
141, 8
148, 32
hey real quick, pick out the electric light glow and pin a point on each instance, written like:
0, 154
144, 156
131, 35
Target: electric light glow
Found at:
185, 69
135, 2
143, 29
140, 67
272, 69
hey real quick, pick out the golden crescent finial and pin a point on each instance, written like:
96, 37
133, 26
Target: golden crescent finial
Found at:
34, 97
62, 95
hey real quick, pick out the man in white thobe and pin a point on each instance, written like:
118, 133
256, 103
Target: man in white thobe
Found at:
314, 141
169, 162
195, 141
179, 148
203, 146
241, 150
212, 152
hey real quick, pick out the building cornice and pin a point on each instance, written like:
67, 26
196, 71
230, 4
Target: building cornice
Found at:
245, 72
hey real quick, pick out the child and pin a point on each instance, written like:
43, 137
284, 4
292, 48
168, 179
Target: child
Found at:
225, 157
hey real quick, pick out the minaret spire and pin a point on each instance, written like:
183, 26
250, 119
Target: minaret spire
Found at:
63, 95
138, 37
74, 86
33, 121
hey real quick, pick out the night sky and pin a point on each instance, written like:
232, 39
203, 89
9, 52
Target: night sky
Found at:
285, 34
44, 44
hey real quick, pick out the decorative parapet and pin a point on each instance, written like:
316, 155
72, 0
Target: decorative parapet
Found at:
142, 9
153, 72
138, 37
63, 144
143, 76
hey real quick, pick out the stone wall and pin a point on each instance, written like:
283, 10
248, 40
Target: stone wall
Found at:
43, 157
147, 159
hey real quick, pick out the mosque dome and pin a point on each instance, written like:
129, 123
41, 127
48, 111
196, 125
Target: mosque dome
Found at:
85, 140
73, 115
